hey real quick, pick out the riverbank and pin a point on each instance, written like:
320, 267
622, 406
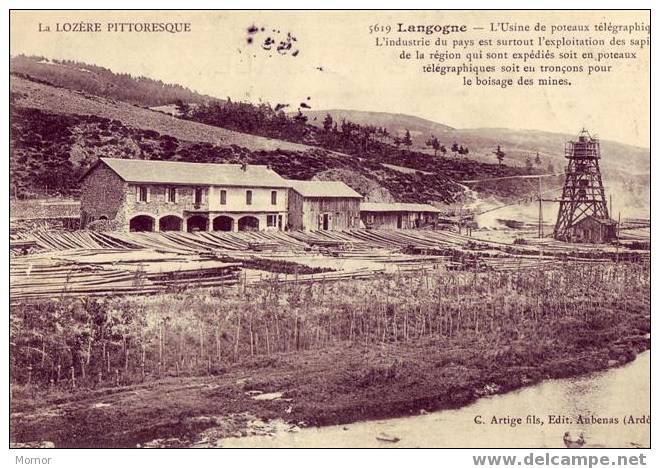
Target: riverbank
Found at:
525, 418
336, 386
420, 354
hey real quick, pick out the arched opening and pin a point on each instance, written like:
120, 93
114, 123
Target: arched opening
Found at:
141, 223
197, 223
170, 223
248, 223
103, 217
223, 223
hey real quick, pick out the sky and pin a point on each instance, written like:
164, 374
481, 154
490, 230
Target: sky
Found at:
338, 66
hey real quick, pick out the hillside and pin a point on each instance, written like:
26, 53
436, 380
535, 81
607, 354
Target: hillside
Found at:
56, 134
396, 123
619, 160
102, 82
47, 98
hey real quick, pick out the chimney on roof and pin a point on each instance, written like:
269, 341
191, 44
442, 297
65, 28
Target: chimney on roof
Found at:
244, 167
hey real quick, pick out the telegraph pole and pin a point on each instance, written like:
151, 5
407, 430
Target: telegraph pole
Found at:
540, 211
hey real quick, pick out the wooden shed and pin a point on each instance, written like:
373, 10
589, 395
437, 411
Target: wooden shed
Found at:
398, 215
323, 205
593, 230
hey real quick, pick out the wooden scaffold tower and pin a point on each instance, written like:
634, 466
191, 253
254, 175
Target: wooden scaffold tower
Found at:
583, 215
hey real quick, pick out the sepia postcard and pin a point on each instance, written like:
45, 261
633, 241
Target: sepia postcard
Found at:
346, 229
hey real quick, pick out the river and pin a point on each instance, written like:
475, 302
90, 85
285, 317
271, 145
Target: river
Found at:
616, 393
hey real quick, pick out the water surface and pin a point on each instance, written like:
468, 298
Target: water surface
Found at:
616, 393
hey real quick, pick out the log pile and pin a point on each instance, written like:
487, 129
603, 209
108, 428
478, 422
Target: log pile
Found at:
96, 263
111, 272
339, 242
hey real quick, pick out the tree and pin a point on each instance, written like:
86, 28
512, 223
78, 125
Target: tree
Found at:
454, 148
407, 140
183, 108
551, 168
327, 123
433, 143
386, 133
499, 154
345, 128
381, 133
300, 127
537, 160
443, 149
300, 118
528, 164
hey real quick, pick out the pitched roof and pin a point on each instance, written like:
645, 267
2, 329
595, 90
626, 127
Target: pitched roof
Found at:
323, 189
186, 173
608, 221
390, 207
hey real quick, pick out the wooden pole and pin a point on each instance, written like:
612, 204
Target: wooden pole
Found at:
160, 343
540, 211
238, 334
460, 218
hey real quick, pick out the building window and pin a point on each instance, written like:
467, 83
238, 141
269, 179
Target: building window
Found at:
273, 197
142, 193
223, 197
271, 220
170, 194
199, 196
248, 197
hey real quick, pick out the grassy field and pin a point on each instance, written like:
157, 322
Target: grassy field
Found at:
126, 371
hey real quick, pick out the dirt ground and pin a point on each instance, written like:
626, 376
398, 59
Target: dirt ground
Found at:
319, 387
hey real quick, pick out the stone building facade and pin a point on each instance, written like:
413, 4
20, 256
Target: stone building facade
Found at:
103, 195
144, 195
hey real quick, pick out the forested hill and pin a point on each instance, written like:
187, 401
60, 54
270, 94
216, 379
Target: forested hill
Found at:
102, 82
619, 160
57, 133
64, 115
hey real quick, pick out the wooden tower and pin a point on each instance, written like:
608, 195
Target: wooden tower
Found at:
583, 214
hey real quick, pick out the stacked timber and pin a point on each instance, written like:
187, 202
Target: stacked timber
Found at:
111, 272
353, 243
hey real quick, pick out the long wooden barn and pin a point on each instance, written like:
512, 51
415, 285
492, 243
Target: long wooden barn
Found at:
398, 215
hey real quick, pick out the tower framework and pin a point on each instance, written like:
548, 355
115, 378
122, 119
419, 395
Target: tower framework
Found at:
582, 206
